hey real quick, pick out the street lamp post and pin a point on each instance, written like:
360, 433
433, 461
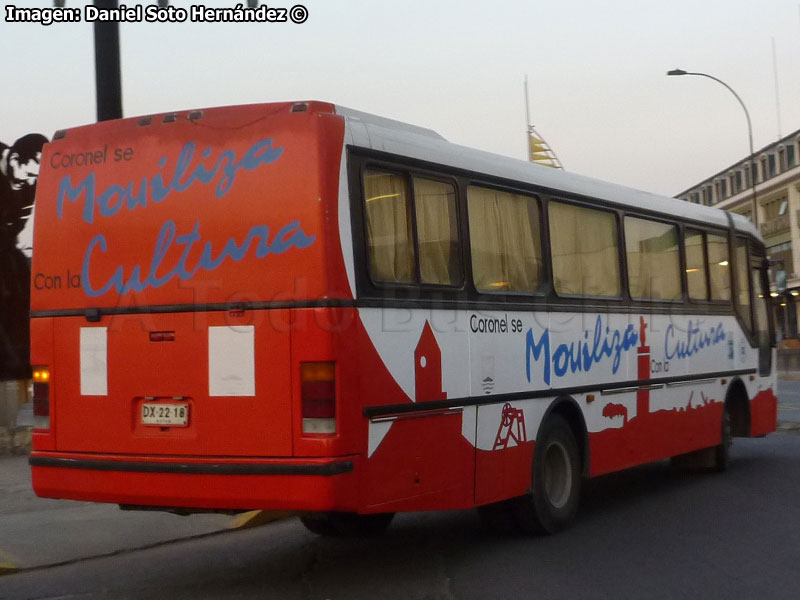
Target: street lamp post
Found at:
108, 78
107, 75
749, 133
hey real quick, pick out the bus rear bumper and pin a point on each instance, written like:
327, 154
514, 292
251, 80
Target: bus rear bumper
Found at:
226, 484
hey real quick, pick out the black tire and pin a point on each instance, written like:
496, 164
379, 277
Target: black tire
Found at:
556, 481
722, 452
344, 524
319, 524
498, 518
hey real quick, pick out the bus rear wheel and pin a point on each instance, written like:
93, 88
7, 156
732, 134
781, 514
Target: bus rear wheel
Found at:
345, 524
715, 458
556, 482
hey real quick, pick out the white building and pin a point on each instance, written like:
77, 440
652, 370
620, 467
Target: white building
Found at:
777, 178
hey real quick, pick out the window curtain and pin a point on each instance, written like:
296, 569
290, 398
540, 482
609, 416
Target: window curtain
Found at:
653, 261
695, 265
718, 269
505, 240
583, 243
389, 237
437, 232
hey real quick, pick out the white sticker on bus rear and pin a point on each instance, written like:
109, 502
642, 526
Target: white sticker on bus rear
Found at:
231, 361
94, 361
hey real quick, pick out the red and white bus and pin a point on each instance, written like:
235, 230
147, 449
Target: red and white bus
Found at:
303, 307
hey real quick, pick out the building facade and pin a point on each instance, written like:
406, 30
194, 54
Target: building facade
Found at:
775, 172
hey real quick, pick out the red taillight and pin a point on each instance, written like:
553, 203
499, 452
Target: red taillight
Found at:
318, 391
41, 398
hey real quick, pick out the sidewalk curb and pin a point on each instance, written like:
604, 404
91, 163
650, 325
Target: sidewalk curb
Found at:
13, 570
254, 518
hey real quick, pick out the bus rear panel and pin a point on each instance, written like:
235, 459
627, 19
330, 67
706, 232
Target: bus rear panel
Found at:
183, 286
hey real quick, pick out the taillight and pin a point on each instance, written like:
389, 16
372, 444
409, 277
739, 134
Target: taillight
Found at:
318, 390
41, 397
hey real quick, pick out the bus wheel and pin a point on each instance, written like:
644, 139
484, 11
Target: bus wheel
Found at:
344, 524
553, 500
722, 452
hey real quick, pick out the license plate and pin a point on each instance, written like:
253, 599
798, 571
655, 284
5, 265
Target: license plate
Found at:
162, 414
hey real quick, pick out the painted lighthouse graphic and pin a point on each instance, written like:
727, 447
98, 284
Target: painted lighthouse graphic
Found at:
613, 410
428, 367
643, 371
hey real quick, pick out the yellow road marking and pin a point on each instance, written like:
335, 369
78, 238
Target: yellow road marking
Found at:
6, 563
254, 518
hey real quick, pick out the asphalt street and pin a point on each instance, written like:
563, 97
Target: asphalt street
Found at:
789, 401
651, 532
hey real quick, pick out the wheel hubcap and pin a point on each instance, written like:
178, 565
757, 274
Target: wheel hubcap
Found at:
557, 474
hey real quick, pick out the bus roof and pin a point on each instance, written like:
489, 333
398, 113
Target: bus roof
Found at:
386, 135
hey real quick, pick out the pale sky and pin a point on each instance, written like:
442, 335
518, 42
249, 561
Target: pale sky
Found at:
599, 93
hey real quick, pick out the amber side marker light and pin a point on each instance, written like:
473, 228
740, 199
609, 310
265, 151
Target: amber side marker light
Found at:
318, 395
41, 397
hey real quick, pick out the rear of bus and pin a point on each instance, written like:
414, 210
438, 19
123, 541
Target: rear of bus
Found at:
187, 283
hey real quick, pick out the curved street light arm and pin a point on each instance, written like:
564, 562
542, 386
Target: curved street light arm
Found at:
749, 132
741, 103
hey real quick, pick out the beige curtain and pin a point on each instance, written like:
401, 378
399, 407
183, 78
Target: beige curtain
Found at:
583, 243
718, 269
505, 240
437, 232
654, 270
695, 265
389, 237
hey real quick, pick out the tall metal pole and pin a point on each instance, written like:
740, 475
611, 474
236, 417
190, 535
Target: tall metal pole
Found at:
108, 79
527, 123
753, 170
777, 89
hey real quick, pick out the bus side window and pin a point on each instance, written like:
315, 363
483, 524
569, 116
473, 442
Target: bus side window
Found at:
437, 232
760, 299
719, 273
695, 264
505, 241
764, 328
743, 283
654, 268
389, 236
585, 252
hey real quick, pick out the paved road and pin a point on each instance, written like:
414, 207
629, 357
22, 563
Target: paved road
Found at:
789, 401
647, 533
38, 531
